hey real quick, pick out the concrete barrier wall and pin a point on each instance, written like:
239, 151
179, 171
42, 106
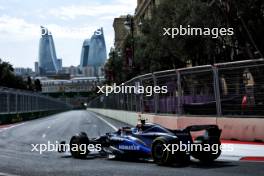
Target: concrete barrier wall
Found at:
245, 129
19, 117
123, 116
248, 129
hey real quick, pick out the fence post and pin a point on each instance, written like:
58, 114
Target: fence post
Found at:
156, 96
37, 103
141, 99
22, 103
29, 103
217, 91
131, 102
179, 92
16, 102
127, 102
8, 101
26, 102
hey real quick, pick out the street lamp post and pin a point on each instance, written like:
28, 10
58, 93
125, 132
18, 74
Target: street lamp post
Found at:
113, 56
129, 24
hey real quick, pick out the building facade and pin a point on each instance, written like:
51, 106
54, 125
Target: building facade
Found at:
48, 61
88, 71
36, 65
75, 85
120, 32
94, 52
71, 70
23, 71
144, 11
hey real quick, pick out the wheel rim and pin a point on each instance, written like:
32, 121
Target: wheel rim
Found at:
158, 151
76, 153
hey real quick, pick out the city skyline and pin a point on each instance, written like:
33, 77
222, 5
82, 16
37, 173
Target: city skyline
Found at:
94, 51
48, 61
70, 22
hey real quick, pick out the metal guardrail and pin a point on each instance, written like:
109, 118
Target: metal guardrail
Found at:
14, 101
234, 88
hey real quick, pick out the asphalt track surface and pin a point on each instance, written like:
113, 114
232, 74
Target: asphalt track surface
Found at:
16, 157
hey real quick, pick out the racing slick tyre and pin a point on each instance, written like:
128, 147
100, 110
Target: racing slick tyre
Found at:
78, 146
166, 157
212, 152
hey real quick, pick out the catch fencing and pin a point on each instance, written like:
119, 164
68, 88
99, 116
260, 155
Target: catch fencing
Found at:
14, 101
225, 89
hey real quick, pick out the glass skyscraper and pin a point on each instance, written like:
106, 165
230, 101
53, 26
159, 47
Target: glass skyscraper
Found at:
94, 51
48, 61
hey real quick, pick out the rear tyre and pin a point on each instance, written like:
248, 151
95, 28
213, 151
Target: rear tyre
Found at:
206, 156
166, 157
78, 146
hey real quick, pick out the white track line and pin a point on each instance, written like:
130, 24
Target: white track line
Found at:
10, 127
108, 123
6, 174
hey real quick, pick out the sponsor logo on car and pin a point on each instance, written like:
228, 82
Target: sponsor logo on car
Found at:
128, 147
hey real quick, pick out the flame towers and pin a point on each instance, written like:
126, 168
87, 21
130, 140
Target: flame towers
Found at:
94, 52
48, 61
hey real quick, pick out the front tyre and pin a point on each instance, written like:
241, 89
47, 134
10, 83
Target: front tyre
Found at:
78, 146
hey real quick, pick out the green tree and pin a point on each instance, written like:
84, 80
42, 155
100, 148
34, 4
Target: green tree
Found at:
114, 68
7, 77
155, 52
38, 86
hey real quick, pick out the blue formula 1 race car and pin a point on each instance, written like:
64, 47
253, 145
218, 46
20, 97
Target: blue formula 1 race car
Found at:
152, 141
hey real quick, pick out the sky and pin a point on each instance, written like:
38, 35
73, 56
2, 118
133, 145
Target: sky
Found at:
69, 21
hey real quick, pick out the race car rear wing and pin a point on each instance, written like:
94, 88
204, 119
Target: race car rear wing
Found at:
212, 132
201, 127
